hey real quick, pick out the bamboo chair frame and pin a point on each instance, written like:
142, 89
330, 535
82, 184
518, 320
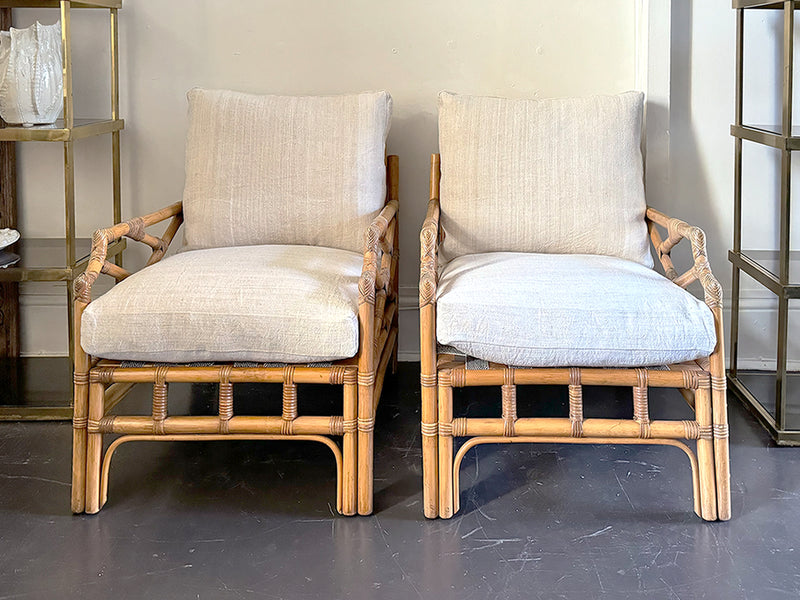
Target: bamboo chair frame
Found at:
100, 384
701, 382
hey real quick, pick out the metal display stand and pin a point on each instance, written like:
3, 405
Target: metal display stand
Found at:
776, 417
48, 259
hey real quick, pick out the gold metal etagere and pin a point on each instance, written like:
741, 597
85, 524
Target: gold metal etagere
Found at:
786, 139
40, 257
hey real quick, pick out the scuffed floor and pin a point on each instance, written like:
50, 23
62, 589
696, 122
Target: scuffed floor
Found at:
255, 520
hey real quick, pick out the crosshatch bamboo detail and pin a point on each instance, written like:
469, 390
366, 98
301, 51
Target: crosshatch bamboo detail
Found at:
100, 384
701, 382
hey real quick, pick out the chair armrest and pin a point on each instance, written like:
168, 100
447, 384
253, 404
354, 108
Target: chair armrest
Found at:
376, 243
377, 286
135, 230
429, 255
678, 230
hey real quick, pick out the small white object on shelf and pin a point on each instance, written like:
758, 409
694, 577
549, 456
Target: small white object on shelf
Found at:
8, 237
31, 78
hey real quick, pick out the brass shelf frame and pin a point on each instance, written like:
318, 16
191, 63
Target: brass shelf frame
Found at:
83, 128
35, 413
67, 131
779, 283
41, 265
116, 4
766, 137
766, 4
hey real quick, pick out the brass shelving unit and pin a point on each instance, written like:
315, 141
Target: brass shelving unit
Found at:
46, 259
779, 414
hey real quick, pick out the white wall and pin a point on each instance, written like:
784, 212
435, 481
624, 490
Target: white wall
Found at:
413, 49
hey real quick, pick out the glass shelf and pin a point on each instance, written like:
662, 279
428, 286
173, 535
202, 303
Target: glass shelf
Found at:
56, 132
44, 259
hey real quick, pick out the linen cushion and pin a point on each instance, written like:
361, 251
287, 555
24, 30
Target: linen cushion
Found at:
561, 176
294, 304
563, 310
284, 169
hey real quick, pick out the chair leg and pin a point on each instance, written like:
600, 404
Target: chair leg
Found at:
705, 455
349, 450
80, 415
446, 495
430, 455
366, 425
94, 449
721, 449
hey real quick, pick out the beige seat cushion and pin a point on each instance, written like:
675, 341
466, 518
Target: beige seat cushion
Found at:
293, 304
284, 169
557, 176
558, 310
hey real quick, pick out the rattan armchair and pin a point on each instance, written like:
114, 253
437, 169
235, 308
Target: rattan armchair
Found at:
102, 381
445, 365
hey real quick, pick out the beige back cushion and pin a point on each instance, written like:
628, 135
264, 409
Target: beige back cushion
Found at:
284, 169
558, 176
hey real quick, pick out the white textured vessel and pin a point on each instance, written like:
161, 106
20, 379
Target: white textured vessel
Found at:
31, 79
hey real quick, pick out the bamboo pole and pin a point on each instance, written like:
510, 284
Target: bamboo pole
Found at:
349, 449
560, 426
303, 425
393, 183
94, 449
80, 413
705, 455
720, 419
428, 359
445, 401
589, 376
183, 374
367, 312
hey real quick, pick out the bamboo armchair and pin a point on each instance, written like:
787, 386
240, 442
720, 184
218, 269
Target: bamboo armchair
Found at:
701, 382
100, 384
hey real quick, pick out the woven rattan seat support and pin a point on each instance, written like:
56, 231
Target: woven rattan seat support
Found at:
100, 384
702, 382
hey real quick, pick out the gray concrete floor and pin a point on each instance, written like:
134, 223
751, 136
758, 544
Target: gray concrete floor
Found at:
232, 520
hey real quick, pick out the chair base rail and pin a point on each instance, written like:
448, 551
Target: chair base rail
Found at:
541, 439
709, 461
106, 466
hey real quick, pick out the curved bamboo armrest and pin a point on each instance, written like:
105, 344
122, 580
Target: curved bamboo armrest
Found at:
429, 255
378, 282
135, 230
678, 230
379, 240
430, 237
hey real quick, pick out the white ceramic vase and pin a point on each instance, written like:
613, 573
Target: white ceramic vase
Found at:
31, 80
